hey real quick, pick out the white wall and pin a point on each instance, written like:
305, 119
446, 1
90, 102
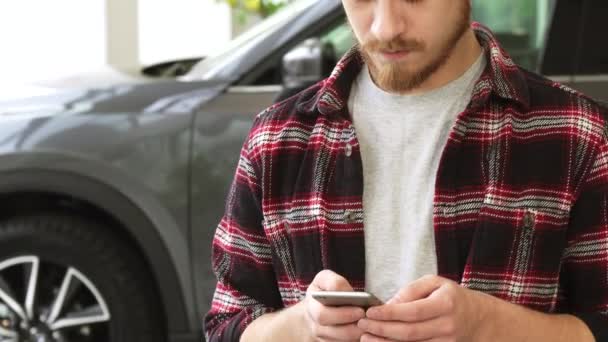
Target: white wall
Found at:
47, 39
172, 29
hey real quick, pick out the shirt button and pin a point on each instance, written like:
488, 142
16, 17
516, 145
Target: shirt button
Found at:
348, 150
528, 220
350, 216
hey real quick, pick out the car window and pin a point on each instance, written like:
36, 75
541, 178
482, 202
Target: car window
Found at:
519, 25
340, 37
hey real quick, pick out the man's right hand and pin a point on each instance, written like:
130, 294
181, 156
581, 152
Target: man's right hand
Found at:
331, 323
309, 320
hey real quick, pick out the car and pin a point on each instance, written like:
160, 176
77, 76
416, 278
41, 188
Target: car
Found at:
110, 196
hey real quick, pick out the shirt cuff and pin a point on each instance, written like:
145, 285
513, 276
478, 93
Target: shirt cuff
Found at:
232, 329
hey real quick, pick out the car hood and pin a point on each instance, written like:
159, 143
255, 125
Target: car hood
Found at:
165, 96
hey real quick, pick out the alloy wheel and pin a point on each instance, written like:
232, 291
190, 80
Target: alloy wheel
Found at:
46, 302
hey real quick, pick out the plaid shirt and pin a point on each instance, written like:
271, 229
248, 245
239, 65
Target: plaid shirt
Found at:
520, 206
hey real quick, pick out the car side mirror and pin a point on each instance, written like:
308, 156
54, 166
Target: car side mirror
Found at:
307, 64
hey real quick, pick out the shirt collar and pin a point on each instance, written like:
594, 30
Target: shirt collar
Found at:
501, 77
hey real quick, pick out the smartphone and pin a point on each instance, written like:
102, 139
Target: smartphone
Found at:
345, 298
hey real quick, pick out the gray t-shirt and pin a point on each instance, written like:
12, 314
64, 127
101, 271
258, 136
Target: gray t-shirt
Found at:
402, 138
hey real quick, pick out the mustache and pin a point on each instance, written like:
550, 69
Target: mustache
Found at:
397, 44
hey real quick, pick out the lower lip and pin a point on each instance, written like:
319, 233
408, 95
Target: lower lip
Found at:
394, 55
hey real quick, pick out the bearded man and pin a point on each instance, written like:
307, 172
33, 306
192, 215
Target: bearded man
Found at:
465, 192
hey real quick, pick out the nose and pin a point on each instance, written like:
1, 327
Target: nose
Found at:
388, 22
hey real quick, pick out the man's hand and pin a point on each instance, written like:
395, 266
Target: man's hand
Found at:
309, 320
429, 309
331, 323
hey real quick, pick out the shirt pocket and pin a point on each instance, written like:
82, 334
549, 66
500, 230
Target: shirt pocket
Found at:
517, 249
540, 241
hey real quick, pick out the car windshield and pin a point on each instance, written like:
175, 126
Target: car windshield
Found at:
213, 63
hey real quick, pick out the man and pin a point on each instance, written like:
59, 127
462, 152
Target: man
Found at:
484, 187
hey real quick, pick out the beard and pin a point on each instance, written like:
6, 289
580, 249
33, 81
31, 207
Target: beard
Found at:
400, 77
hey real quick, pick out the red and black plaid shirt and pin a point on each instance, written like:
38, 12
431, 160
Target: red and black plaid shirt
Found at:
520, 206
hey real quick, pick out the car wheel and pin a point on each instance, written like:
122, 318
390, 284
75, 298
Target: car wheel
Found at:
63, 278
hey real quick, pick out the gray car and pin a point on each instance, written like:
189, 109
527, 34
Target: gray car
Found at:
110, 197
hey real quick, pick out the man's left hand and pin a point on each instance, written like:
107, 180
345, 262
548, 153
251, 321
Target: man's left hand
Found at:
432, 309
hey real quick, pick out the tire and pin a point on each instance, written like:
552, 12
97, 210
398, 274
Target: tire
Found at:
104, 275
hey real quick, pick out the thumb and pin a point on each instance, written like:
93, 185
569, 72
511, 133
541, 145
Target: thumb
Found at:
327, 280
418, 289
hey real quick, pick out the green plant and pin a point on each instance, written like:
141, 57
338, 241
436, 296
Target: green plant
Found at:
263, 8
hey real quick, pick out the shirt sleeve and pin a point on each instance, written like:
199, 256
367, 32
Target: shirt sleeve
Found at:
241, 260
584, 272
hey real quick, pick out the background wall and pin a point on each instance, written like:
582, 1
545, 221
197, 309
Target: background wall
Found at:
41, 39
181, 28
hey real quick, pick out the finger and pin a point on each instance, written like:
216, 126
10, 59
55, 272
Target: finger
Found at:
327, 280
401, 331
418, 289
327, 315
416, 311
347, 332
